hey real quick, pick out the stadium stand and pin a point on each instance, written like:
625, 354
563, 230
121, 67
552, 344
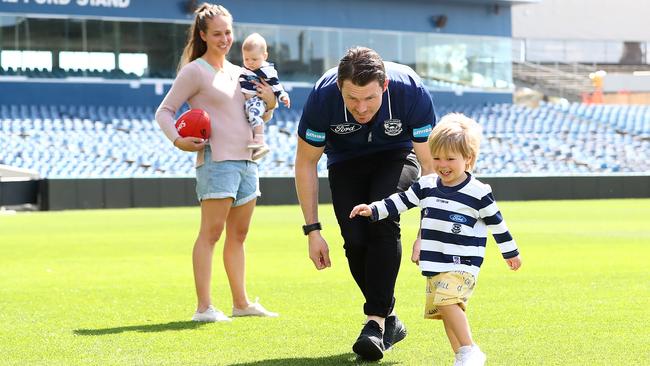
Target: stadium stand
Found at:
77, 141
79, 87
58, 73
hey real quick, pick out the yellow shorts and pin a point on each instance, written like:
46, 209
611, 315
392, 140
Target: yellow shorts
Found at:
448, 288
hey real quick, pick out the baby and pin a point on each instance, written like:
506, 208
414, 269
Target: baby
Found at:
256, 68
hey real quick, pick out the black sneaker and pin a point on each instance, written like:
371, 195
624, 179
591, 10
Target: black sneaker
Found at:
370, 345
395, 331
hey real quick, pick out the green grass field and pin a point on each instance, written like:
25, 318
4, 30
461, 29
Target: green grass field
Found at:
115, 287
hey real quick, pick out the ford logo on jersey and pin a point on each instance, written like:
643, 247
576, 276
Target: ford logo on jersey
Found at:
458, 218
345, 128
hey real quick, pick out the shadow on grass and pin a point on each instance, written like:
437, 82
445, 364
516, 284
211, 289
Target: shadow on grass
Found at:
345, 358
148, 328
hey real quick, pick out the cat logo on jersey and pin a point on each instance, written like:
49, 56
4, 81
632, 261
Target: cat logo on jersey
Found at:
392, 127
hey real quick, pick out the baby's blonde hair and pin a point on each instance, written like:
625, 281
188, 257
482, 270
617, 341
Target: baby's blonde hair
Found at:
254, 42
456, 132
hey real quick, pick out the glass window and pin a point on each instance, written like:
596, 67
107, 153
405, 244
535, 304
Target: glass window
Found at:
352, 38
7, 32
518, 50
11, 59
408, 54
130, 37
161, 46
72, 60
293, 54
544, 51
445, 59
317, 54
74, 35
26, 60
488, 62
136, 63
153, 49
614, 53
387, 44
580, 51
101, 36
334, 49
100, 61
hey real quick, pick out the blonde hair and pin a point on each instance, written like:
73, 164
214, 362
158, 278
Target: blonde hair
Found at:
195, 46
254, 42
456, 132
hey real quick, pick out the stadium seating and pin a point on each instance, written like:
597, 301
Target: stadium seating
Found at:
79, 141
58, 73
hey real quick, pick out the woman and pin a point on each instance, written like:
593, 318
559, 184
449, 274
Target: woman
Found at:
227, 180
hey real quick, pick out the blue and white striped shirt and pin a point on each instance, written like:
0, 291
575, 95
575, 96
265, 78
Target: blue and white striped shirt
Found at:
454, 223
266, 72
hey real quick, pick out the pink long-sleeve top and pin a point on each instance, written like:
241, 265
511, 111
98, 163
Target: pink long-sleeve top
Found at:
218, 93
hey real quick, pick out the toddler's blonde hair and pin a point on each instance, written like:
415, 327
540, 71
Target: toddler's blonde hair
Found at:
456, 132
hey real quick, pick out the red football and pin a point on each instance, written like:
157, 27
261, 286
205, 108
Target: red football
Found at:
195, 123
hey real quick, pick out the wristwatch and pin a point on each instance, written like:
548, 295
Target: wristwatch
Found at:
311, 227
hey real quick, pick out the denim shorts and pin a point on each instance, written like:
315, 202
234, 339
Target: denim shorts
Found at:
237, 179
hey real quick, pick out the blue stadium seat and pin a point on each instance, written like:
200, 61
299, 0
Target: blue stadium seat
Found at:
73, 141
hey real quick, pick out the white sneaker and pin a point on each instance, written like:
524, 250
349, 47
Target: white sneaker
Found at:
254, 309
461, 355
472, 356
210, 315
457, 360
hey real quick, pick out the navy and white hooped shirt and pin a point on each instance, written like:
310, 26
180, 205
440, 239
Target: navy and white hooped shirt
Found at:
266, 72
406, 114
454, 223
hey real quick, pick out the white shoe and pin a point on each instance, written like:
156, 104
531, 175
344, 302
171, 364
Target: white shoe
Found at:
471, 356
210, 315
461, 355
254, 309
457, 360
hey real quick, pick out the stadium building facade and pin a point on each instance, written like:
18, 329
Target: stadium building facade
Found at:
461, 48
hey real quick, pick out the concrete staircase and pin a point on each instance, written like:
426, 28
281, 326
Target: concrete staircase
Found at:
568, 81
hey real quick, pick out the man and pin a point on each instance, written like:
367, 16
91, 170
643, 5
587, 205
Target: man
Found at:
368, 117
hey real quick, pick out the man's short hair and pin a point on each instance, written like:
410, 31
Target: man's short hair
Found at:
361, 65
